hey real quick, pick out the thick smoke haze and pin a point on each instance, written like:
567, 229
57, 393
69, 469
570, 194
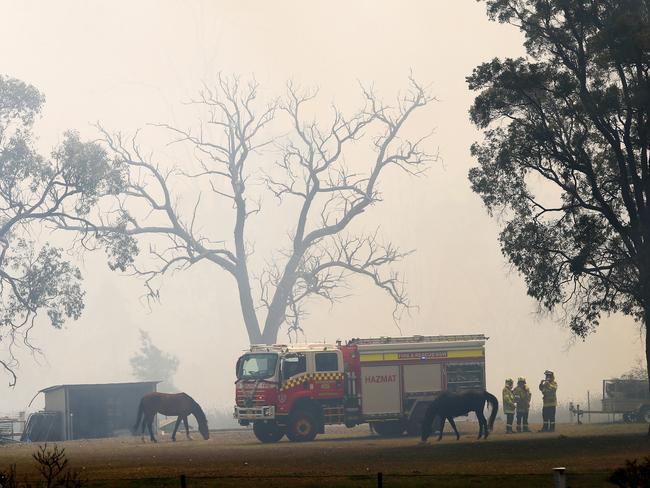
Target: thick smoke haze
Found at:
126, 64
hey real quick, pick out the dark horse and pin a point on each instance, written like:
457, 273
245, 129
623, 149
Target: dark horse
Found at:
180, 404
451, 404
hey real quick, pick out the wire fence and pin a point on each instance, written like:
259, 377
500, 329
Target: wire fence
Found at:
556, 478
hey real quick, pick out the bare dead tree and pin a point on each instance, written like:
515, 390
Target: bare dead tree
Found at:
322, 254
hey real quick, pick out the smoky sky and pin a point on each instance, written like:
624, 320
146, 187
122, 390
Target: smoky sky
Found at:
126, 64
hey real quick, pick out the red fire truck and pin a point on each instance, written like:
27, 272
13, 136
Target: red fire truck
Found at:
295, 390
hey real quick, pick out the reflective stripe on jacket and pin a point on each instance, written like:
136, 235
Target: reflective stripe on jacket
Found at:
522, 398
549, 392
508, 400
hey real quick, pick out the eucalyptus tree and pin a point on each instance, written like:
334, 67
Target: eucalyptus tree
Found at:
36, 191
564, 161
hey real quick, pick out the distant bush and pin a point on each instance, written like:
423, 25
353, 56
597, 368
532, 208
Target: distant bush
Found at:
52, 465
637, 372
634, 475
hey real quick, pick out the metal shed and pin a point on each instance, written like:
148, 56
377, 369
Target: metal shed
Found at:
93, 411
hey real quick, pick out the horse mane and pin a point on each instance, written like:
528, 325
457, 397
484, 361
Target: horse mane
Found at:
197, 410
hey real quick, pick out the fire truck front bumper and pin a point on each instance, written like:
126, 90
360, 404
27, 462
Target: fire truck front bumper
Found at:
255, 413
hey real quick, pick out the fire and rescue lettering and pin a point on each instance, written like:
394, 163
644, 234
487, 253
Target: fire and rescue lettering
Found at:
380, 378
422, 355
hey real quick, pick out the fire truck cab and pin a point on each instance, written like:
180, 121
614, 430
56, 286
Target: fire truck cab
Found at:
295, 390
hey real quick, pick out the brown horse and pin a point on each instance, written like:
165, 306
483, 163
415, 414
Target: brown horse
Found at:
170, 404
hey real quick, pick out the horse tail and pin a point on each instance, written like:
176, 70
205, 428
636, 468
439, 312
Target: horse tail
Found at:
494, 406
139, 417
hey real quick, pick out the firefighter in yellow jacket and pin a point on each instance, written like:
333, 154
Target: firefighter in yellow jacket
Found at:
508, 405
522, 399
548, 387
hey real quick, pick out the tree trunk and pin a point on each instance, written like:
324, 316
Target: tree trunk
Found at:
274, 319
248, 307
647, 348
270, 336
278, 307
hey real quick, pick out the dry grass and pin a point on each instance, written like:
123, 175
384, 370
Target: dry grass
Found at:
352, 457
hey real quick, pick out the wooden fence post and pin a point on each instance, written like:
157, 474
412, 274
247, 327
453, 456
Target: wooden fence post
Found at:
559, 477
380, 480
183, 481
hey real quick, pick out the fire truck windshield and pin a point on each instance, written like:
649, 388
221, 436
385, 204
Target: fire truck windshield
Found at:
257, 366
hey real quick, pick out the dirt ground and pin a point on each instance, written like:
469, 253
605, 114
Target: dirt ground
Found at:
353, 457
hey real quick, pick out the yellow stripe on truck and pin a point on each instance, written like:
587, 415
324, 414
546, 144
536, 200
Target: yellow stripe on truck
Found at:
415, 356
389, 356
371, 357
468, 353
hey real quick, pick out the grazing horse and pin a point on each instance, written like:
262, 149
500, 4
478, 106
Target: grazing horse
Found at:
180, 404
451, 404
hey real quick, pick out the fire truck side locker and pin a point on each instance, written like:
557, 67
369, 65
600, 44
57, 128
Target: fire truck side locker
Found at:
401, 376
381, 392
422, 377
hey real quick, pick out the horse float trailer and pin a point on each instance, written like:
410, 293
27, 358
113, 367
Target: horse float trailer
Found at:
628, 397
297, 389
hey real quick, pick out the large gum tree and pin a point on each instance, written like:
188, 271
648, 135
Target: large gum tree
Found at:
564, 160
236, 157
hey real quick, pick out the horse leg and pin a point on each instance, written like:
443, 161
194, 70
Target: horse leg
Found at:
150, 426
144, 425
483, 424
480, 424
178, 422
453, 426
427, 423
442, 427
187, 429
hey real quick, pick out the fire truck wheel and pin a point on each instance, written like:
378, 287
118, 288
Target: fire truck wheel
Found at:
268, 432
392, 428
302, 427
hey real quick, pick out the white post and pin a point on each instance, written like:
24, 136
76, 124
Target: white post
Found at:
559, 477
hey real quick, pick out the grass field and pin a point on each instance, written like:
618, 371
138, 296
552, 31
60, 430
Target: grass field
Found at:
352, 457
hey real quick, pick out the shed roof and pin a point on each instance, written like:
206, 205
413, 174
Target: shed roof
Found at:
90, 385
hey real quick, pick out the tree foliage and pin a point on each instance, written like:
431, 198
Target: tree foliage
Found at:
638, 371
310, 176
564, 161
35, 191
152, 364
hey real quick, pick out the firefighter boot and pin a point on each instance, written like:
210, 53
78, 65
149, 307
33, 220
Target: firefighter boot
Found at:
508, 429
518, 428
544, 427
526, 429
551, 426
